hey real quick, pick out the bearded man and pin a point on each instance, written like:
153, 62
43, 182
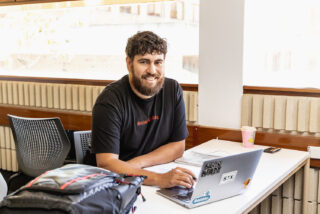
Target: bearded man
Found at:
139, 120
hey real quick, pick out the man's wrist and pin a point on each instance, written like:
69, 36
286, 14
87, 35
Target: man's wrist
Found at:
153, 179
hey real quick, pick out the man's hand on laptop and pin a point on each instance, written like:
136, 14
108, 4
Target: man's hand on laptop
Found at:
177, 177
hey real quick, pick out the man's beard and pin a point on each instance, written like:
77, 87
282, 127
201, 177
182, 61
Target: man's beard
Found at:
144, 90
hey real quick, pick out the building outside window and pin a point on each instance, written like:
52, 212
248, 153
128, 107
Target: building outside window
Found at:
281, 46
80, 40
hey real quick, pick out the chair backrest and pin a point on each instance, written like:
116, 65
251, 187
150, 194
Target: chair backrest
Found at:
82, 143
41, 143
3, 187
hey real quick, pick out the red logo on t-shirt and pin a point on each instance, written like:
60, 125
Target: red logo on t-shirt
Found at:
140, 123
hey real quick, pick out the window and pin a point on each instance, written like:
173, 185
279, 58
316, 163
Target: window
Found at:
125, 9
154, 9
77, 40
281, 44
177, 10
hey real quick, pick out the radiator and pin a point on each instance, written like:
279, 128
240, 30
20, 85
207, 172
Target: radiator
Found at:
298, 115
69, 97
191, 105
287, 199
8, 159
57, 96
47, 95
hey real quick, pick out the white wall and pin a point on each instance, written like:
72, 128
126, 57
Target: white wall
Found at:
221, 53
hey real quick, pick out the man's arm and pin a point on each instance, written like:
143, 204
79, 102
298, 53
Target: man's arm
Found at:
163, 154
177, 176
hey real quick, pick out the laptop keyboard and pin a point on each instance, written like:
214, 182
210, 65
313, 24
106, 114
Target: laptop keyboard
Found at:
183, 194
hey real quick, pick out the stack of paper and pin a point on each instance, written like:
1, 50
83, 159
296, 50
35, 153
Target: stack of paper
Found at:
196, 158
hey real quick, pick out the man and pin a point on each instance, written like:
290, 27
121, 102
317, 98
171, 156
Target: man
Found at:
139, 120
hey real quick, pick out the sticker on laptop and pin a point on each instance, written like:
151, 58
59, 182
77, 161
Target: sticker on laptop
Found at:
228, 177
246, 183
211, 168
202, 198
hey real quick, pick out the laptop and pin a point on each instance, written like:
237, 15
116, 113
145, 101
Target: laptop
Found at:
219, 178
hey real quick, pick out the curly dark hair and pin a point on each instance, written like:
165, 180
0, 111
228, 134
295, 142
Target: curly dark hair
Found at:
145, 42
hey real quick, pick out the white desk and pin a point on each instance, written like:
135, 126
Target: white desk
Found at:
272, 171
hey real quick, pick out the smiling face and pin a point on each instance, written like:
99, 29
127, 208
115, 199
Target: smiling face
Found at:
146, 74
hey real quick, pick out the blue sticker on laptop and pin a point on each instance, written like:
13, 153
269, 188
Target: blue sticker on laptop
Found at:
202, 198
211, 168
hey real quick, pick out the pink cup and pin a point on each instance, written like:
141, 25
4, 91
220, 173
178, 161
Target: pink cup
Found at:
248, 137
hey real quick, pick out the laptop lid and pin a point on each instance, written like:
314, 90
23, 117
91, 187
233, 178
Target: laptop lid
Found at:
219, 178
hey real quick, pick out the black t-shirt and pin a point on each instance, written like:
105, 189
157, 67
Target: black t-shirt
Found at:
125, 124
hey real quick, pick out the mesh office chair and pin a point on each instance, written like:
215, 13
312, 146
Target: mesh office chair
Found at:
41, 144
82, 143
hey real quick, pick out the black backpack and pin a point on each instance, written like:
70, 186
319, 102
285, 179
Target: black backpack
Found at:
75, 188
